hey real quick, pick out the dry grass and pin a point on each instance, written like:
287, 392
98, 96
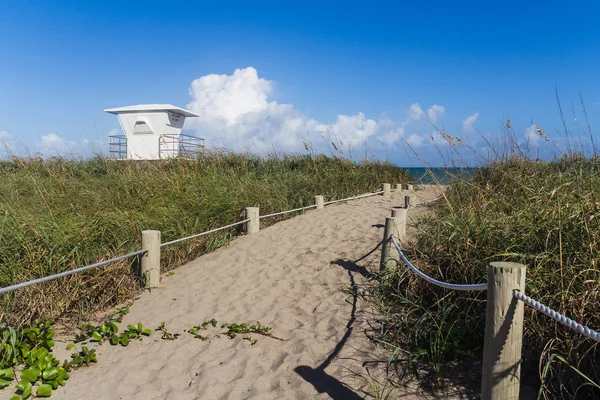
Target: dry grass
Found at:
59, 214
543, 214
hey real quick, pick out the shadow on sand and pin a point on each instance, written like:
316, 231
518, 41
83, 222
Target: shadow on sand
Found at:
321, 380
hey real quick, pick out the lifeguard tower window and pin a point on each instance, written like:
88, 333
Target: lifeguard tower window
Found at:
142, 127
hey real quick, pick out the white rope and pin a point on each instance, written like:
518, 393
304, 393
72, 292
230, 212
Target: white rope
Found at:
453, 286
589, 332
203, 233
81, 269
287, 211
67, 273
354, 198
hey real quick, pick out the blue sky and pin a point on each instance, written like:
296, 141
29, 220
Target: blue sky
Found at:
61, 65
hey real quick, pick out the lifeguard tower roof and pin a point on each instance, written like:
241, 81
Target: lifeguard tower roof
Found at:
151, 108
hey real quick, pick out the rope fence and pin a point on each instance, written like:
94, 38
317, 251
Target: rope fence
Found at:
150, 263
287, 211
504, 313
451, 286
204, 233
70, 272
506, 283
584, 330
362, 196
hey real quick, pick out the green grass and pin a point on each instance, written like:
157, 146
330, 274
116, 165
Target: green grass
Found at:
59, 214
542, 214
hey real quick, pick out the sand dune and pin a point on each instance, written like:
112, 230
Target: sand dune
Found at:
295, 276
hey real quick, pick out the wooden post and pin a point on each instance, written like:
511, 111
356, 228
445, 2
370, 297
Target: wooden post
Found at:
410, 187
150, 268
391, 228
501, 376
387, 188
319, 202
398, 187
408, 201
252, 226
400, 214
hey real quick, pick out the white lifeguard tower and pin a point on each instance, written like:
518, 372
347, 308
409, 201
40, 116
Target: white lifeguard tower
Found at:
152, 132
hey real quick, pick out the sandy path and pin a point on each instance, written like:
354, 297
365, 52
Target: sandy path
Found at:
293, 276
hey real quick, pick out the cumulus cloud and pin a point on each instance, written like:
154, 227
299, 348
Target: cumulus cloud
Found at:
236, 112
51, 145
6, 146
415, 113
435, 112
54, 145
531, 135
416, 140
467, 125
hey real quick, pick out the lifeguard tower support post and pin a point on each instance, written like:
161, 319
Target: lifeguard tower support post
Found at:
151, 132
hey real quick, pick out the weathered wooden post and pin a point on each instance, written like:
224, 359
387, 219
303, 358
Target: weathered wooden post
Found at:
387, 188
150, 268
410, 187
400, 214
391, 228
408, 201
253, 225
398, 187
501, 376
319, 202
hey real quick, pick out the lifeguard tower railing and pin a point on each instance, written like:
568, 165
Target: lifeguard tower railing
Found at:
184, 146
169, 146
117, 147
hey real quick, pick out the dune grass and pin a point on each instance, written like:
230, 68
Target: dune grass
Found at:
542, 214
59, 214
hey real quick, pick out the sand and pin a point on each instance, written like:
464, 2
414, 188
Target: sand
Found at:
295, 276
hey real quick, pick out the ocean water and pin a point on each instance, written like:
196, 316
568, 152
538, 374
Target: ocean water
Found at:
428, 176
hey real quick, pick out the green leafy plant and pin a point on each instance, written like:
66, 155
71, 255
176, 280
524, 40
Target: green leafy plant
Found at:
109, 331
203, 326
97, 333
81, 358
133, 332
42, 367
6, 375
165, 334
237, 329
17, 344
121, 312
212, 322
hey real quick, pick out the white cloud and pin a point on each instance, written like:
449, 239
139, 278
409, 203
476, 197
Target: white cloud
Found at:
416, 140
531, 135
435, 112
6, 146
415, 113
235, 112
54, 145
467, 125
